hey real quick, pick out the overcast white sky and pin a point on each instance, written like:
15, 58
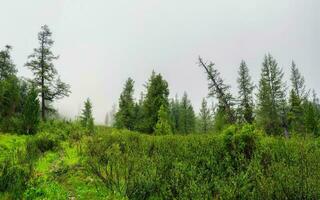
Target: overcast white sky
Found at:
101, 42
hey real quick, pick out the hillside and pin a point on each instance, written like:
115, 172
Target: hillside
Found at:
62, 161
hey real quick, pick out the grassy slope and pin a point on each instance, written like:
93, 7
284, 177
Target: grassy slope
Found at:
66, 176
9, 142
58, 174
62, 174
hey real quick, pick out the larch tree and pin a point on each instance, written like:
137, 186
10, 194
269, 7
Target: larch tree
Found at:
217, 88
245, 86
271, 114
205, 117
125, 117
45, 75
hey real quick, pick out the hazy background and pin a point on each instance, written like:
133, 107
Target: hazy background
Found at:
101, 42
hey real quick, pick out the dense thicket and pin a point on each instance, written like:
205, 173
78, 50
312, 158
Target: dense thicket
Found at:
237, 164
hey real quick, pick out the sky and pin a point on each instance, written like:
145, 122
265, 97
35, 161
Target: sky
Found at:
101, 43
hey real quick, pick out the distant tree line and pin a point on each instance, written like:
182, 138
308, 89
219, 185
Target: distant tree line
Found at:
268, 106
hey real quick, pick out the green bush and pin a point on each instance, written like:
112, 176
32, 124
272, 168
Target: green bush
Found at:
41, 143
240, 163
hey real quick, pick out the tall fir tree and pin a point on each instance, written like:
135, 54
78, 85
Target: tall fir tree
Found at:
156, 96
271, 98
163, 126
86, 118
205, 117
186, 116
245, 87
297, 98
175, 113
45, 75
125, 117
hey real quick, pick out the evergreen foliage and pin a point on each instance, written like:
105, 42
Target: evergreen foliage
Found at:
125, 117
186, 116
163, 126
245, 87
205, 117
297, 99
45, 75
271, 97
156, 96
7, 68
31, 112
217, 88
86, 117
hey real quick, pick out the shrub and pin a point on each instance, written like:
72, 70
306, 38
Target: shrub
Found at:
15, 171
41, 143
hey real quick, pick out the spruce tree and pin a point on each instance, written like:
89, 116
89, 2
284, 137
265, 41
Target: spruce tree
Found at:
31, 112
45, 75
205, 117
297, 98
125, 117
175, 113
163, 126
156, 96
186, 116
245, 87
271, 113
86, 117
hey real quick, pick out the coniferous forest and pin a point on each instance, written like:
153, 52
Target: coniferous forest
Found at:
260, 143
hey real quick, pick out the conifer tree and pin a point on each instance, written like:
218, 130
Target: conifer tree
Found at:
138, 113
10, 99
163, 126
186, 116
45, 75
175, 113
156, 96
7, 68
217, 88
271, 98
31, 112
9, 102
205, 117
86, 117
297, 98
245, 87
125, 117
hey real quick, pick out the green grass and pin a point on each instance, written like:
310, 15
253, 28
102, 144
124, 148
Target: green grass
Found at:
61, 174
9, 142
